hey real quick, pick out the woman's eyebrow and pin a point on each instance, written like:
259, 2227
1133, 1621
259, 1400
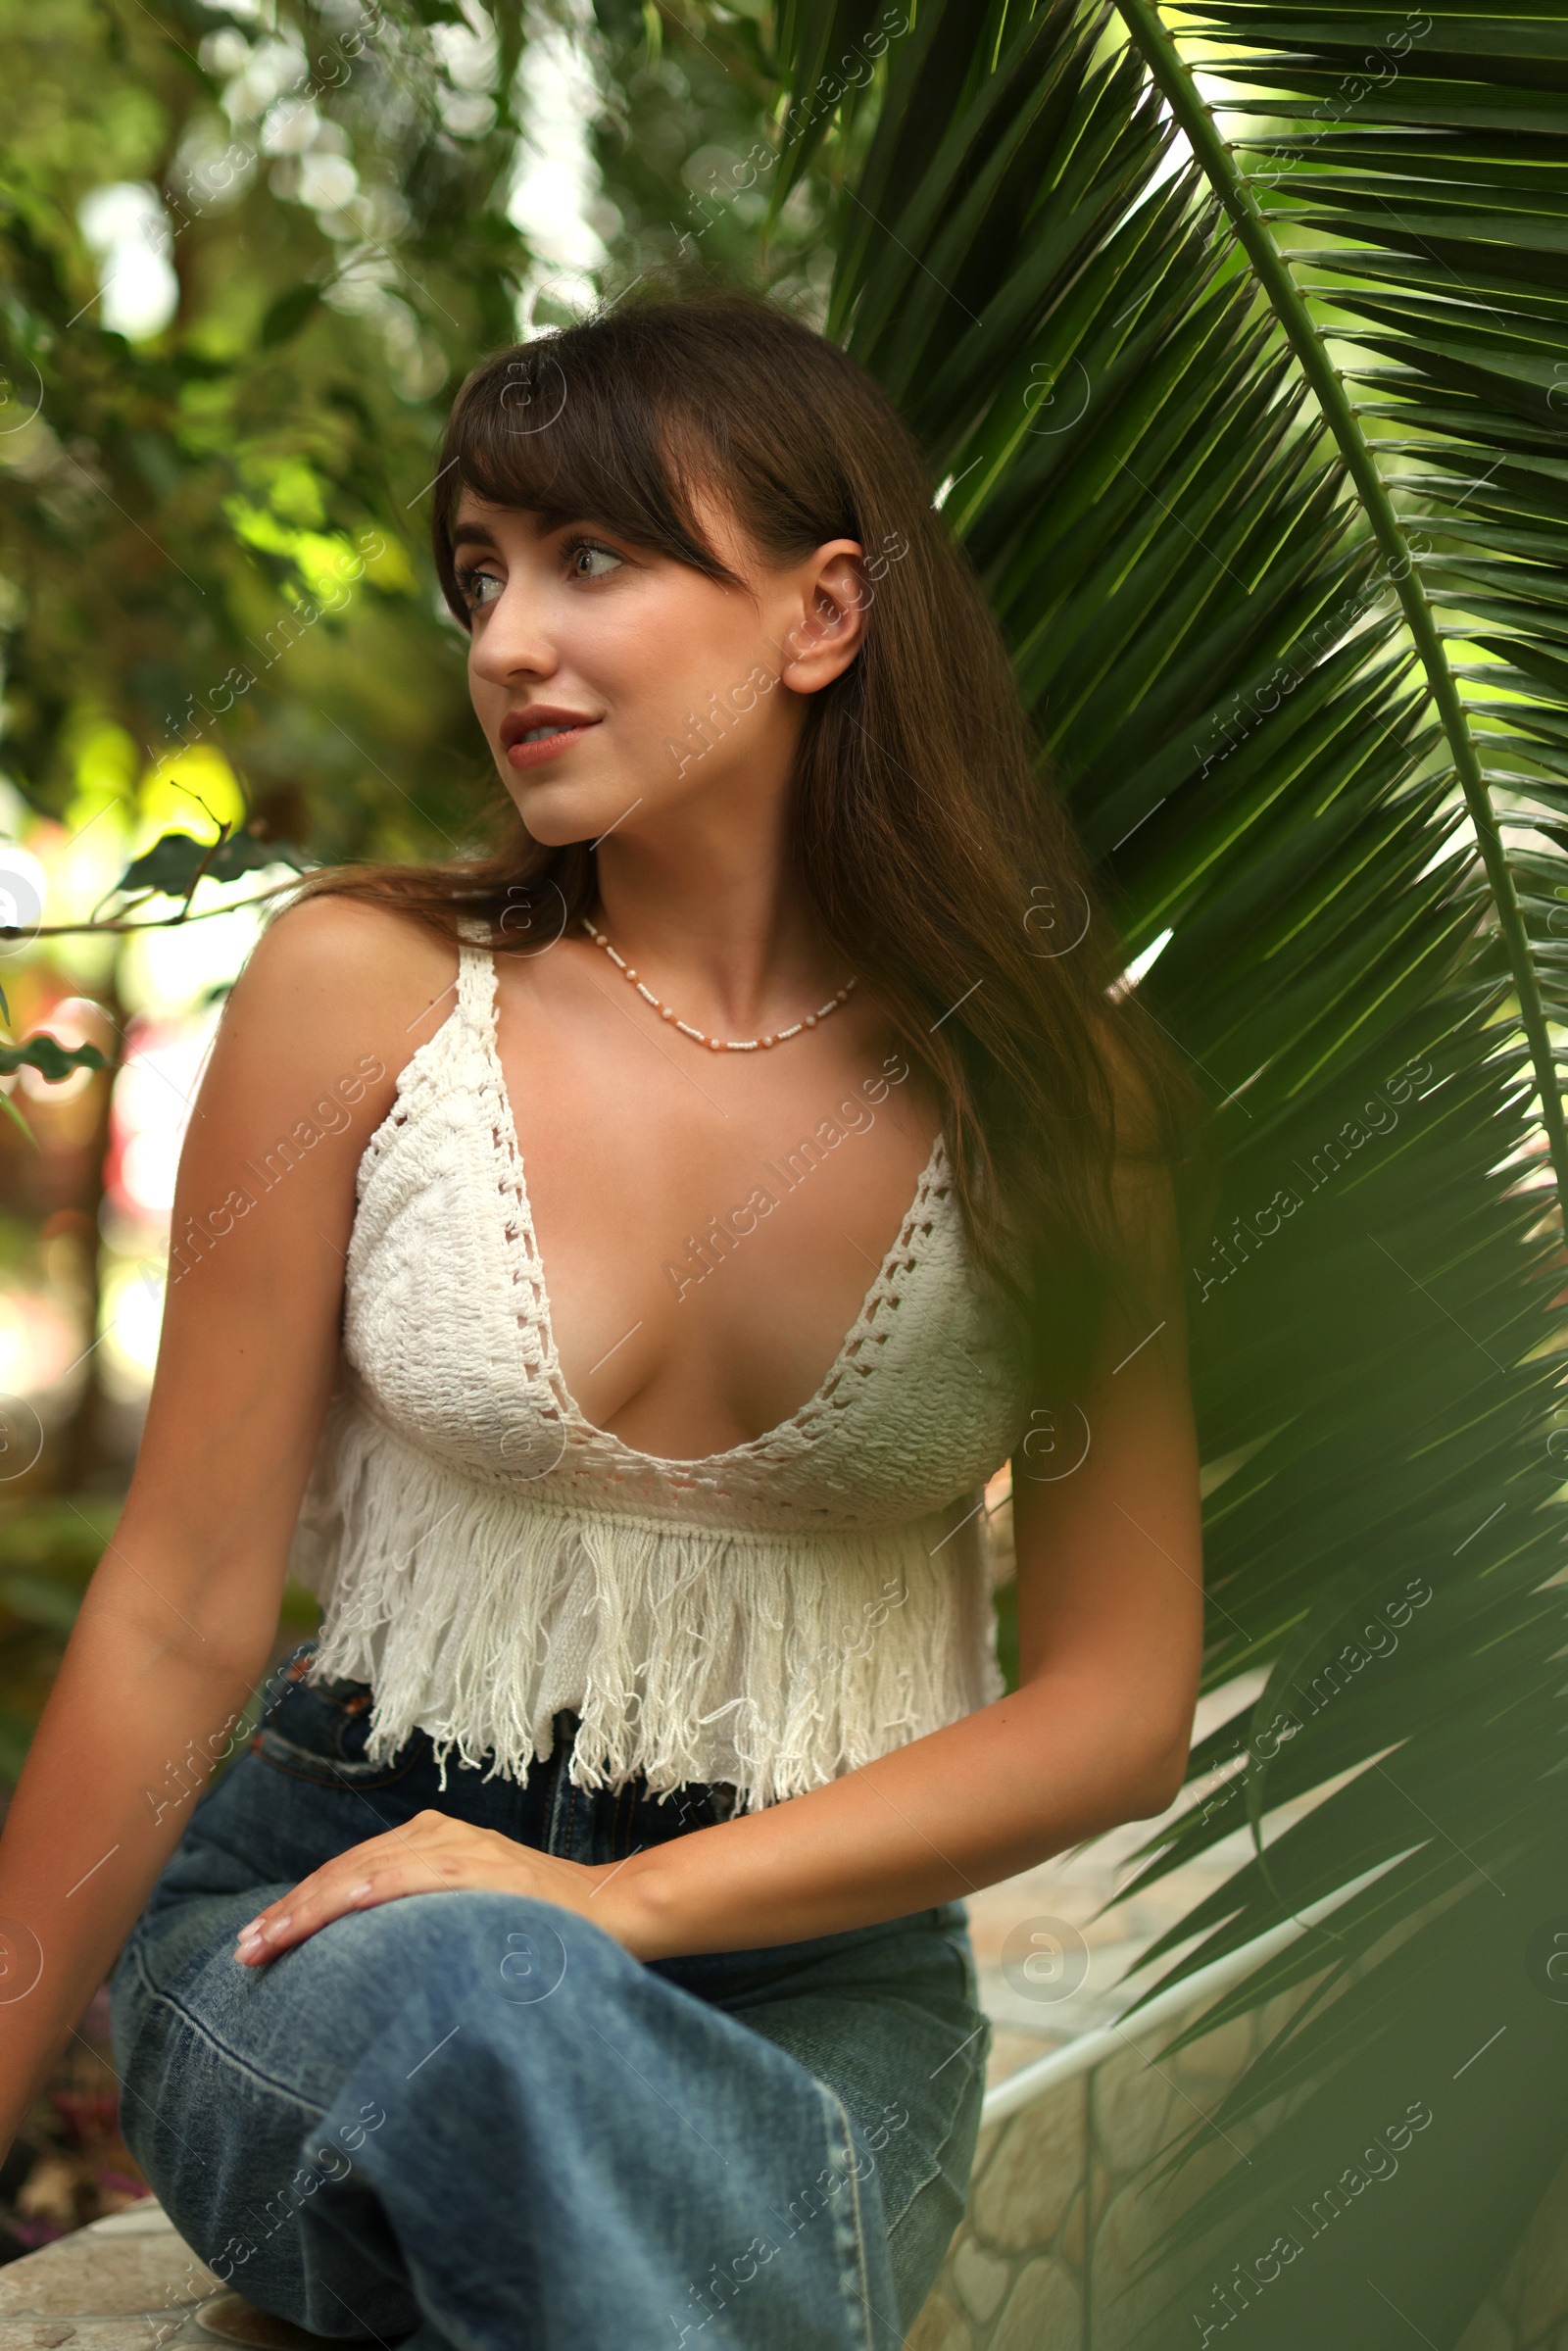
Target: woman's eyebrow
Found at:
546, 520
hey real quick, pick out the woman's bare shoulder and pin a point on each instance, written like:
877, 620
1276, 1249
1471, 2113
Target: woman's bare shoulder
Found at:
332, 940
331, 968
334, 986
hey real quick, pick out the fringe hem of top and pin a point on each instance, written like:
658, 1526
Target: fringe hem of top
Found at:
850, 1644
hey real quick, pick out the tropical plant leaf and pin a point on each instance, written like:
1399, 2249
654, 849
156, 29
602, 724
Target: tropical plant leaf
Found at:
287, 313
49, 1057
176, 863
1253, 424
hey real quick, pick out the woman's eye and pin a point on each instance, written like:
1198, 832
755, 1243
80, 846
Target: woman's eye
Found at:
584, 556
479, 588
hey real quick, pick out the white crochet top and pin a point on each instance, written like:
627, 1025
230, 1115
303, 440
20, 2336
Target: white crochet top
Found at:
769, 1617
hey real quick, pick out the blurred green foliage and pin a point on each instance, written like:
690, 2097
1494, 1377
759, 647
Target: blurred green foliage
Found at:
48, 1551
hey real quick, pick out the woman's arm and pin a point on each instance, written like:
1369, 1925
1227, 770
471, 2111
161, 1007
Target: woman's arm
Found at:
1110, 1630
178, 1620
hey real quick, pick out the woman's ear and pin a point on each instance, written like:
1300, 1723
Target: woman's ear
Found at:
834, 593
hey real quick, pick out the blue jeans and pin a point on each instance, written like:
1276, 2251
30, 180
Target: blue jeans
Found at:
472, 2121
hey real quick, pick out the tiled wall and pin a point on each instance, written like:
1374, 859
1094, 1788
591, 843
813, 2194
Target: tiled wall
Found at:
1060, 2210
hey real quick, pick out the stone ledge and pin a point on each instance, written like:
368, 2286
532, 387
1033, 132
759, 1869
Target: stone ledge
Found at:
129, 2283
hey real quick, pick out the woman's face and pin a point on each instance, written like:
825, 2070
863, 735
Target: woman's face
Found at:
615, 685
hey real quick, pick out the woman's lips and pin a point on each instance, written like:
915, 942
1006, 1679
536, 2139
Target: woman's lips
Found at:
530, 754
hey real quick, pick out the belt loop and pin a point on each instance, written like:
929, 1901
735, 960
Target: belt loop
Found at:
561, 1788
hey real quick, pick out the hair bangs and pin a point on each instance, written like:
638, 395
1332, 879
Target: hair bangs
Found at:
564, 430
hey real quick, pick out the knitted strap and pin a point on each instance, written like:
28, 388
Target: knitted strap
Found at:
476, 975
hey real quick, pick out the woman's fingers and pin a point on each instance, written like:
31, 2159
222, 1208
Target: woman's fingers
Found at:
314, 1903
417, 1859
433, 1854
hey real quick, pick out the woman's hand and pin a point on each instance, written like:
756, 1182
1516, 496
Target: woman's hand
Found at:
433, 1854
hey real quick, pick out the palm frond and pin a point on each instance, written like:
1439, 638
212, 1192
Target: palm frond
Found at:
1240, 350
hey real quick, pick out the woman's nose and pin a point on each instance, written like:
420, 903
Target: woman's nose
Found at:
515, 638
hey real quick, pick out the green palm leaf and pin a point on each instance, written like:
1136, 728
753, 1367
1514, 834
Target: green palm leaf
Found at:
1258, 432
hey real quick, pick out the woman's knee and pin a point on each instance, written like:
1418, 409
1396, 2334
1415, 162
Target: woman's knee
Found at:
503, 2001
512, 1950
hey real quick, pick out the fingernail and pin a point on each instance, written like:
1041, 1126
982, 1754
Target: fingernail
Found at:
277, 1926
355, 1891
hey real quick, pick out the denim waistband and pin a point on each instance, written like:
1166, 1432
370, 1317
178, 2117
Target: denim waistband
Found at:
315, 1731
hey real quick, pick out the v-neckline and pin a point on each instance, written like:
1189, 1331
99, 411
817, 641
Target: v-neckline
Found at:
573, 1411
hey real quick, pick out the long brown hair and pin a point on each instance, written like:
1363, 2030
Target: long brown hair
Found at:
939, 864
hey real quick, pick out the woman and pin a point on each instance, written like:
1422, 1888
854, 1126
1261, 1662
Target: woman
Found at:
577, 1955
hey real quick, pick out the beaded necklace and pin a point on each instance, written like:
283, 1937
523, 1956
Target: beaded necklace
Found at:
717, 1044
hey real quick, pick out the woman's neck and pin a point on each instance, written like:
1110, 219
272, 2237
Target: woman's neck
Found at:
717, 928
